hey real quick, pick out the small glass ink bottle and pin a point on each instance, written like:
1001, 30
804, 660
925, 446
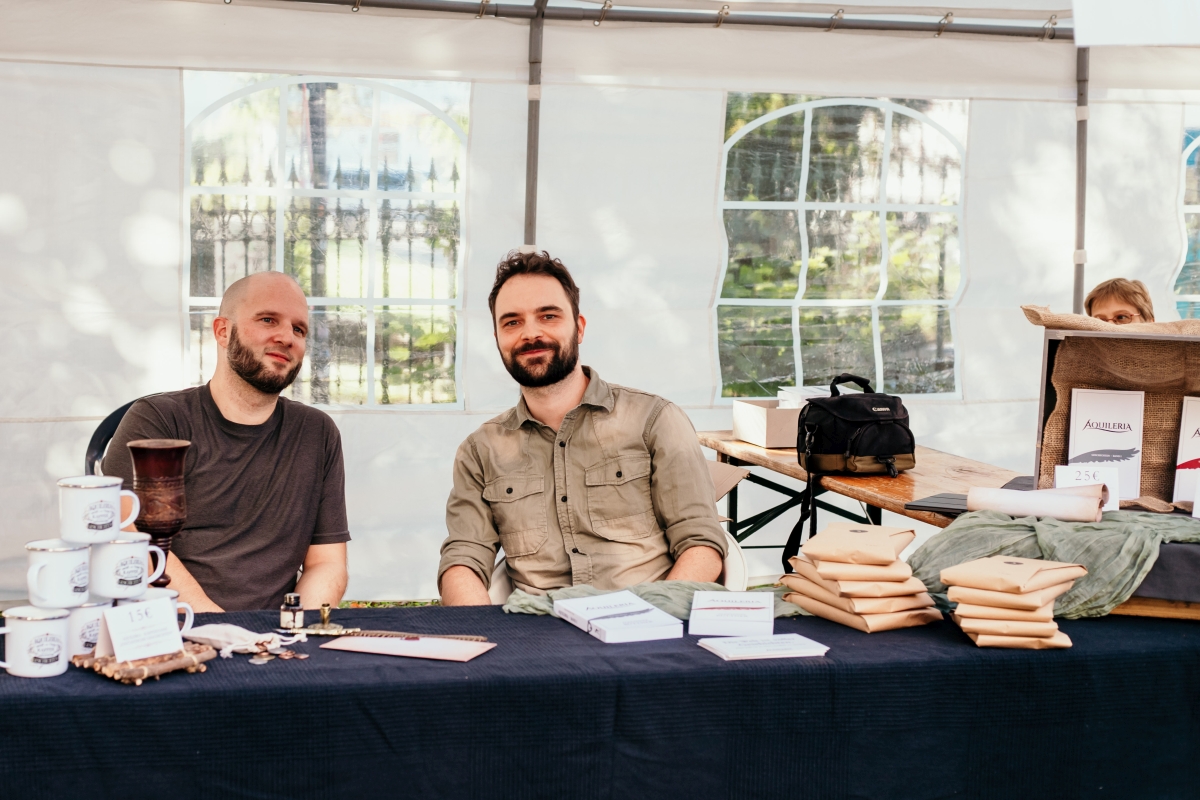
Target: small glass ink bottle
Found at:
291, 613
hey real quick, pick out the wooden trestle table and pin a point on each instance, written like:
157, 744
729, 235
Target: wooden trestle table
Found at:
936, 473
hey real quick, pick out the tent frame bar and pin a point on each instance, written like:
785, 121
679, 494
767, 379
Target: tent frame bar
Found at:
1082, 75
509, 10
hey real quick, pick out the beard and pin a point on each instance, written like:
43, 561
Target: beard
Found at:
253, 371
543, 373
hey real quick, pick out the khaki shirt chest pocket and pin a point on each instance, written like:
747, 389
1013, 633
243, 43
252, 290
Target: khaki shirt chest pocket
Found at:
618, 497
518, 507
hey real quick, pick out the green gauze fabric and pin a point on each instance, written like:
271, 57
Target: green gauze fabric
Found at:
673, 597
1118, 551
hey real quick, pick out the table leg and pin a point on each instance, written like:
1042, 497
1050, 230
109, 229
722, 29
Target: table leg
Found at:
875, 514
731, 510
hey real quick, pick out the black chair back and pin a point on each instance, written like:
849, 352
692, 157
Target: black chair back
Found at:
100, 439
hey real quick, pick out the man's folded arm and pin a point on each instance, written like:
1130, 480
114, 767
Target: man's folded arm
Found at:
469, 552
682, 492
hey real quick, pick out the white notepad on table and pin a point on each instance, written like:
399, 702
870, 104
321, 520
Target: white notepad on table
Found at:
619, 617
1106, 431
732, 614
745, 648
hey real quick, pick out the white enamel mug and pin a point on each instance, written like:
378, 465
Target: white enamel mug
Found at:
119, 567
89, 508
83, 630
158, 593
36, 646
58, 573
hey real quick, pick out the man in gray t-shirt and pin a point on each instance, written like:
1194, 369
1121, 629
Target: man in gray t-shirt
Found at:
264, 475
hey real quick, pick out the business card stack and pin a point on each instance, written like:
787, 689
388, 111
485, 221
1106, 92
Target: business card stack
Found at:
1007, 601
852, 574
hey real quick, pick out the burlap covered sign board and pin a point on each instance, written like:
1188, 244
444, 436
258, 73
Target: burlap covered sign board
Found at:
1160, 358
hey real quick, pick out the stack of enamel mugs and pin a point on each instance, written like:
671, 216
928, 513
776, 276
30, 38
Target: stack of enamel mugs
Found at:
91, 566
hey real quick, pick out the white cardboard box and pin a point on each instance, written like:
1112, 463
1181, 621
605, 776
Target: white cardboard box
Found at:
764, 423
619, 617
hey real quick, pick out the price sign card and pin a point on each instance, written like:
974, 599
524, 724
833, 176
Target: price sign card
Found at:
1106, 431
1084, 475
140, 630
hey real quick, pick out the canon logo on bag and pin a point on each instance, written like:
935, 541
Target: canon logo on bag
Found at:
880, 409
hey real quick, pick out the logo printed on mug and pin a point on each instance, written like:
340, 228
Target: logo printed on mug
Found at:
45, 649
79, 578
99, 516
130, 571
90, 634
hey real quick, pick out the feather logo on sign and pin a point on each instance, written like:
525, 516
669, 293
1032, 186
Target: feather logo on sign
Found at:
1103, 456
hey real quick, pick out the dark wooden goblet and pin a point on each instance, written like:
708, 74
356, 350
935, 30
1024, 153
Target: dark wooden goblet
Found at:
158, 483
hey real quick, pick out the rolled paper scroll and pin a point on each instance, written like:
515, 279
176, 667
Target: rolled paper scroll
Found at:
1073, 504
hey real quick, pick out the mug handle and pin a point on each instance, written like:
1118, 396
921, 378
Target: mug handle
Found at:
162, 564
31, 577
189, 616
3, 664
137, 508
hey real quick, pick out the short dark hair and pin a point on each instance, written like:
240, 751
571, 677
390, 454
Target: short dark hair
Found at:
533, 263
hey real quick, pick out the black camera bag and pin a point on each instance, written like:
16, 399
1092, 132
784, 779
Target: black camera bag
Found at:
857, 434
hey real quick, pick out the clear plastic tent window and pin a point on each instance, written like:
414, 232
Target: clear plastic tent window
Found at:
356, 189
842, 222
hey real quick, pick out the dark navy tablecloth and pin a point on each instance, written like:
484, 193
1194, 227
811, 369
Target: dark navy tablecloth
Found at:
554, 713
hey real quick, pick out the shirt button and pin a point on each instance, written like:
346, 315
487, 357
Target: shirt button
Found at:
562, 444
564, 498
618, 474
575, 550
509, 490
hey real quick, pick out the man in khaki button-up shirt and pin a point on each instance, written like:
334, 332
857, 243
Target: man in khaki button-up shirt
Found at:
581, 482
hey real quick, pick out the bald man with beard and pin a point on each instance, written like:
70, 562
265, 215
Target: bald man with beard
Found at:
264, 476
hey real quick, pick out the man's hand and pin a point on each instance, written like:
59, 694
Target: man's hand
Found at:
699, 563
325, 575
190, 590
462, 587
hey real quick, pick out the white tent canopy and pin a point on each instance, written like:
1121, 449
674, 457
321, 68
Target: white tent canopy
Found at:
95, 234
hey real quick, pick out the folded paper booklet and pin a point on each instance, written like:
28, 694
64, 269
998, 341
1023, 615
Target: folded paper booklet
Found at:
732, 614
435, 648
1011, 574
1043, 614
1025, 601
619, 617
851, 543
857, 605
744, 648
857, 588
1187, 457
867, 623
1069, 504
1058, 641
1106, 430
837, 571
1007, 627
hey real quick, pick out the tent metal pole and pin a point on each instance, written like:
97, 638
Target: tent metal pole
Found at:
510, 10
534, 121
1082, 70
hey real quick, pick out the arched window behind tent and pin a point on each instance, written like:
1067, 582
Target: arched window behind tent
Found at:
842, 252
1187, 277
353, 187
